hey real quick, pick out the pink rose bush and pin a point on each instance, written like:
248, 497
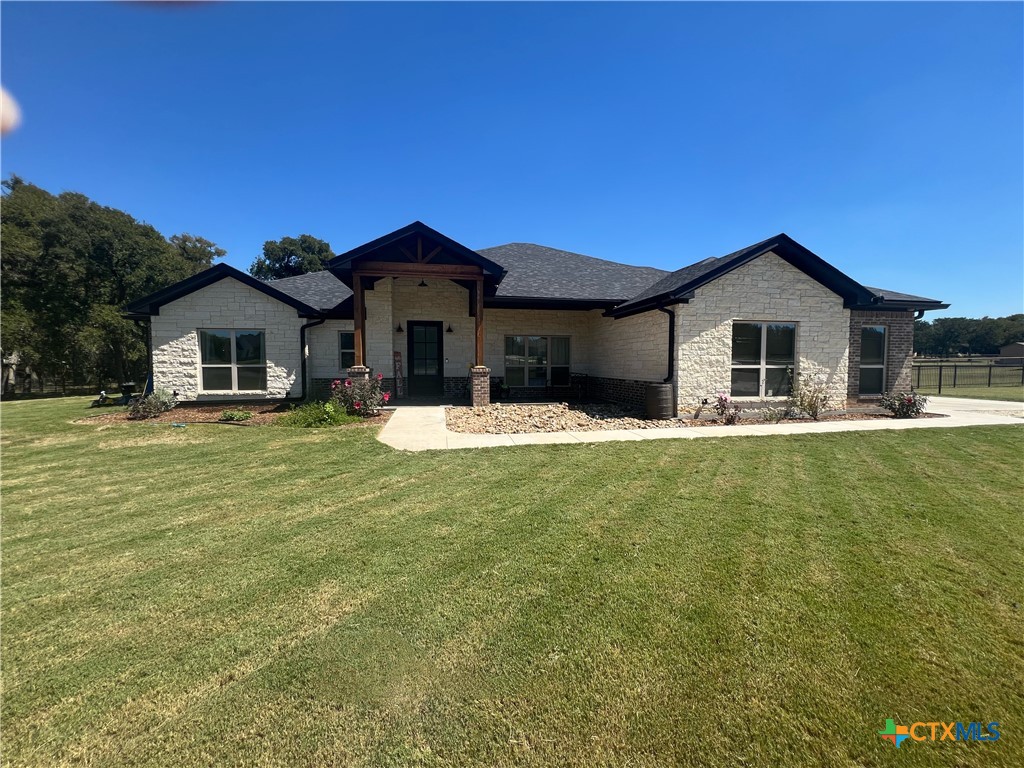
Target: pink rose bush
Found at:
904, 405
360, 397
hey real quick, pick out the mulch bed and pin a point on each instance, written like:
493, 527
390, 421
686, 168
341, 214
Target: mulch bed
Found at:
583, 417
262, 414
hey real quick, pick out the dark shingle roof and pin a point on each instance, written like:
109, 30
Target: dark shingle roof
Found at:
680, 280
895, 296
318, 289
536, 271
539, 272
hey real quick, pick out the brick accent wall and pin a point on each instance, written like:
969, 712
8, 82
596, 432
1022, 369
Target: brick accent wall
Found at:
626, 391
899, 352
320, 389
225, 304
766, 289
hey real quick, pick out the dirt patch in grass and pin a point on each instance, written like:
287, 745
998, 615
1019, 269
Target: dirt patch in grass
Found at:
583, 417
262, 414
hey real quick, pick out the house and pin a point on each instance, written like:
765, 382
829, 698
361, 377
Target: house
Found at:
438, 319
1013, 350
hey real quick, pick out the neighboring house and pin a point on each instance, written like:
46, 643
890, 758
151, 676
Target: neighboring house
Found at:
1014, 349
438, 319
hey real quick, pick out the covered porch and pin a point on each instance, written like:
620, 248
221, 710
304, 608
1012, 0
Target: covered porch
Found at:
418, 304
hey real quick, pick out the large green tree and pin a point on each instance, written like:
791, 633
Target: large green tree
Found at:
291, 256
967, 335
197, 250
69, 266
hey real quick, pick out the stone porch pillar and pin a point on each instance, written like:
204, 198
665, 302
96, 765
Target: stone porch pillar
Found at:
480, 386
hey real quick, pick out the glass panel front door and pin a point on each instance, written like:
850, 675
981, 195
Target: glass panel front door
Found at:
426, 360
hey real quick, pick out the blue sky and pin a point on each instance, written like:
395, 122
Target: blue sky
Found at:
888, 138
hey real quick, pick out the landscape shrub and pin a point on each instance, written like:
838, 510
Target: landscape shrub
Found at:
235, 415
728, 410
149, 407
904, 405
774, 415
360, 397
810, 394
314, 414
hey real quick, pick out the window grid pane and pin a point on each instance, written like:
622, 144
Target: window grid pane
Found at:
537, 361
233, 360
871, 380
780, 344
746, 343
215, 347
872, 345
763, 359
217, 379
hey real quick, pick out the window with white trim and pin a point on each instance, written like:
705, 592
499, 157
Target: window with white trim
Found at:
537, 361
233, 360
872, 360
346, 350
763, 359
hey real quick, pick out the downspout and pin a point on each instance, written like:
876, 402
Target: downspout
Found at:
671, 344
147, 327
302, 352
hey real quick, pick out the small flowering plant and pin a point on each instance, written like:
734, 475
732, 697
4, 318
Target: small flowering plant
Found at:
904, 405
726, 408
361, 397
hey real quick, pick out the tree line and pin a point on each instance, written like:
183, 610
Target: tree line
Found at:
947, 336
69, 267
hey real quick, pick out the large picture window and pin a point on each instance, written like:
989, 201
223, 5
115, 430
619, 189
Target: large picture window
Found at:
763, 359
537, 361
872, 360
346, 350
233, 360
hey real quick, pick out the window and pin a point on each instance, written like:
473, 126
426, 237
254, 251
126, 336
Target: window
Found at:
346, 350
872, 359
536, 361
233, 360
763, 359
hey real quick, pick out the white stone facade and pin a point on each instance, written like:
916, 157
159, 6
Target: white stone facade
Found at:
633, 348
225, 304
767, 289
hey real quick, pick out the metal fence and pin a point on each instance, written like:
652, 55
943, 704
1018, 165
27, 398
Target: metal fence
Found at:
968, 372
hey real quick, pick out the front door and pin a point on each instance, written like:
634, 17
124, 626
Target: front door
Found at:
426, 359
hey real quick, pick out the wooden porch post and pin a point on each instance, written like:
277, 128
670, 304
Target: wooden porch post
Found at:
479, 323
357, 319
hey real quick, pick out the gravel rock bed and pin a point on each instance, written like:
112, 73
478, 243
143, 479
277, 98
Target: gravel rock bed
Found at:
548, 417
561, 417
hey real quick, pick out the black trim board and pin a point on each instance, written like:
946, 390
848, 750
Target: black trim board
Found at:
786, 248
150, 305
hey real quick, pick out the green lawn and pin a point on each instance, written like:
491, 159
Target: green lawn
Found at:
1013, 394
221, 595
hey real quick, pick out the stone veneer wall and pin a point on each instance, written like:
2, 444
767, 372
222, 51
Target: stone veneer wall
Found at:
899, 352
630, 349
766, 289
233, 305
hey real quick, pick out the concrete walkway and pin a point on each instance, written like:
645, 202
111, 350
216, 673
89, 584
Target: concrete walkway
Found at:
422, 428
